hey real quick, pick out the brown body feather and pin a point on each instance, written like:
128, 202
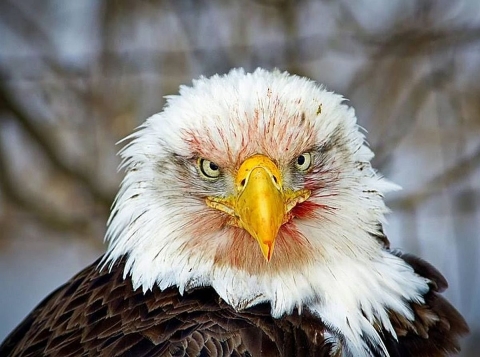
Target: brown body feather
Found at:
97, 313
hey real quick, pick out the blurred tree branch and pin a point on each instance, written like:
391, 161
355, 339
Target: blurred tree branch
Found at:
15, 193
44, 141
462, 169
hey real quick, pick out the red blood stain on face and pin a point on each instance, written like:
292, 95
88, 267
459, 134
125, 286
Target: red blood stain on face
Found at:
306, 210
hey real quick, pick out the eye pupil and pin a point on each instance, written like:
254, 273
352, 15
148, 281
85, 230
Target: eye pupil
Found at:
213, 166
301, 160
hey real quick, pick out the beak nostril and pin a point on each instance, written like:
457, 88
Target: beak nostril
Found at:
242, 183
275, 179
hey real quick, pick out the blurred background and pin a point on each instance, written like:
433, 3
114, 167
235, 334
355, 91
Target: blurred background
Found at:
77, 76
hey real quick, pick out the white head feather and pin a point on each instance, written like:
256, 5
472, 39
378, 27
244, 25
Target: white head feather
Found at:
325, 260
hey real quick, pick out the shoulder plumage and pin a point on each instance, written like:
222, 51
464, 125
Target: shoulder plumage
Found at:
99, 313
437, 325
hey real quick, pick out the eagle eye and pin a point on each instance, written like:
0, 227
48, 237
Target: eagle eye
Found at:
303, 162
208, 169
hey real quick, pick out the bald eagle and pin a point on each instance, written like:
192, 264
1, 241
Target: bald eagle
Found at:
249, 223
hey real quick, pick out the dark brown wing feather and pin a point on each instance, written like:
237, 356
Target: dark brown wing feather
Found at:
437, 326
99, 314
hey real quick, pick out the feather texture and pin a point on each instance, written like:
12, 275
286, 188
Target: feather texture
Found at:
98, 313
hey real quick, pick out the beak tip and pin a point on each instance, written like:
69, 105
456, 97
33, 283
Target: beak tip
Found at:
267, 250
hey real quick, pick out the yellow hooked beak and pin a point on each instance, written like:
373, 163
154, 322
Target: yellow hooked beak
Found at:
260, 205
